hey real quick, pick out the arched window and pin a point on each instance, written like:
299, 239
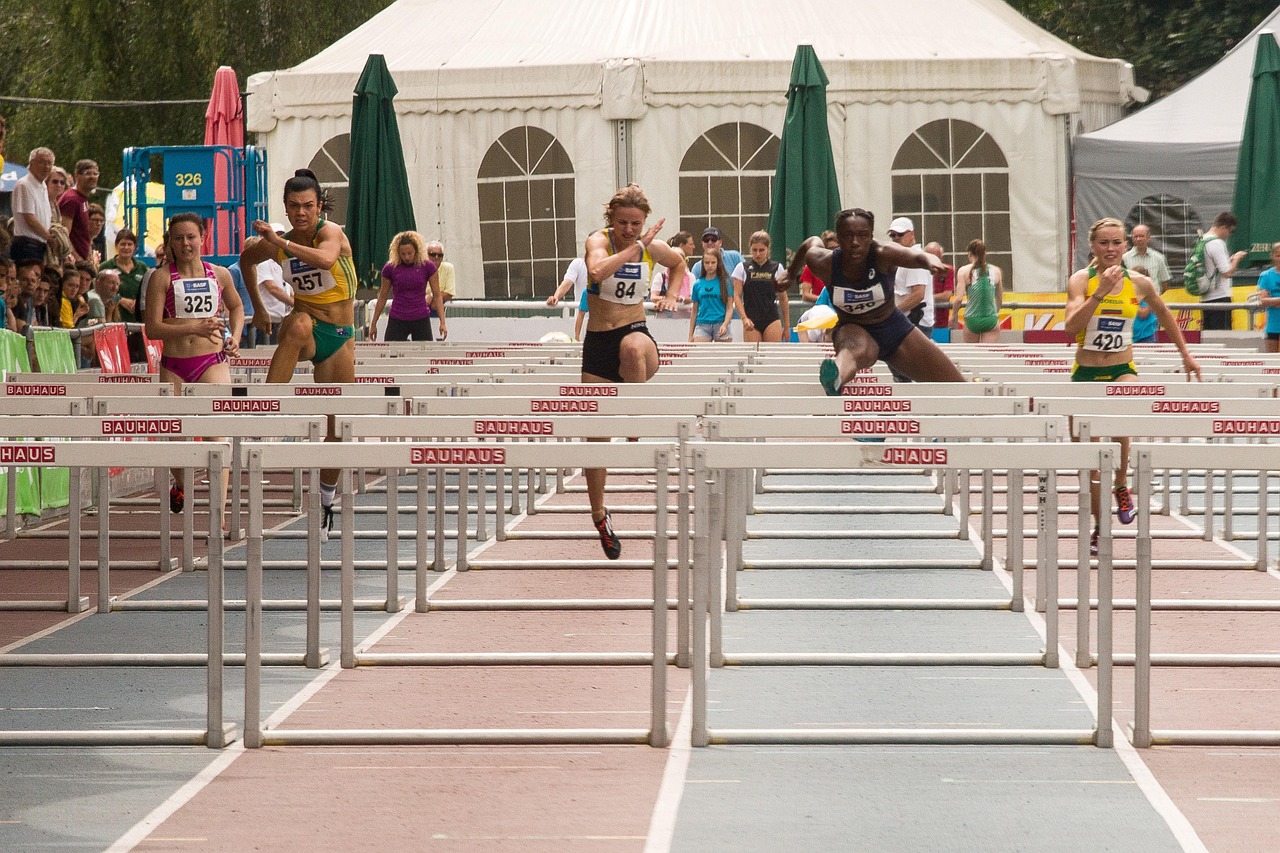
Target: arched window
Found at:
726, 180
527, 224
1175, 228
330, 165
952, 179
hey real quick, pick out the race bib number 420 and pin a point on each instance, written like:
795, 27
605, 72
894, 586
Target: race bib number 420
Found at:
1108, 334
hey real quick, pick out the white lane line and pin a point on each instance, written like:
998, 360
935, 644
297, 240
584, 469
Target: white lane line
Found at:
139, 831
662, 826
1183, 832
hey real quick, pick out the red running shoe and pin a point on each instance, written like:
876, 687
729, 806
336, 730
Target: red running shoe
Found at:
177, 500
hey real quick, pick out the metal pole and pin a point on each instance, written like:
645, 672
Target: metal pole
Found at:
104, 542
393, 540
440, 560
1263, 480
1084, 521
683, 518
217, 602
715, 567
348, 617
73, 545
1106, 633
1142, 620
658, 686
1050, 568
253, 604
160, 478
464, 485
500, 505
698, 620
421, 561
314, 552
1013, 543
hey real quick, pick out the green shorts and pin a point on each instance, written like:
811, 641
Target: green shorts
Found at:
1110, 373
329, 338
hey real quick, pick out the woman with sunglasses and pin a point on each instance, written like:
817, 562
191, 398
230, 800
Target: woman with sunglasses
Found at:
859, 274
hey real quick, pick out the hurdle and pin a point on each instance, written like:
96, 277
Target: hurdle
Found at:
460, 457
923, 429
1187, 427
1263, 459
712, 511
78, 455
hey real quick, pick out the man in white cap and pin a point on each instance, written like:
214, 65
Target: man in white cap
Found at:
912, 288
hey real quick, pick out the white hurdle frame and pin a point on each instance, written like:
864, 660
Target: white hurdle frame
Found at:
925, 428
461, 457
187, 455
708, 653
1263, 459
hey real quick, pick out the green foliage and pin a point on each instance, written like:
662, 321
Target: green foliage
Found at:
1167, 41
145, 50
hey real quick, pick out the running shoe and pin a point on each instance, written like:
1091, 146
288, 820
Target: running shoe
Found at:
1093, 544
177, 500
326, 522
608, 539
829, 376
1124, 505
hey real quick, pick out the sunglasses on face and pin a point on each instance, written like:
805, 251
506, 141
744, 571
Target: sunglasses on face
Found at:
57, 182
435, 254
710, 239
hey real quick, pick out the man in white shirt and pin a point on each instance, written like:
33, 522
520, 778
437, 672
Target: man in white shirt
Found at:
912, 288
32, 213
277, 296
574, 277
1219, 267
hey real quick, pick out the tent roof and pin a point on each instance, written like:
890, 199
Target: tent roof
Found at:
1209, 109
441, 50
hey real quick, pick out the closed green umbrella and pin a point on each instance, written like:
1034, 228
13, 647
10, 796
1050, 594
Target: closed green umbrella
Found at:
378, 203
806, 197
1257, 197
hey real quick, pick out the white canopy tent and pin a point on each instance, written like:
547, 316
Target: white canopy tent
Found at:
1171, 165
519, 118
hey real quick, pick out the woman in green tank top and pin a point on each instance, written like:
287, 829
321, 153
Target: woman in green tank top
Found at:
978, 289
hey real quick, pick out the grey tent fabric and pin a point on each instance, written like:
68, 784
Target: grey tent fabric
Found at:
1171, 164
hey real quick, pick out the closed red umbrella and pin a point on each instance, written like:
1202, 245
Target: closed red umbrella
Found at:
224, 125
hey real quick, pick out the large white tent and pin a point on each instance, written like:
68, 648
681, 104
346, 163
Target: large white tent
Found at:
1172, 164
519, 118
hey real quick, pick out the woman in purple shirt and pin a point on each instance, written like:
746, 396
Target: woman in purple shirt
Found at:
407, 277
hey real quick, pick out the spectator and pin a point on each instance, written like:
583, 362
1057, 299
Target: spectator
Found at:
30, 271
912, 287
683, 243
97, 229
9, 287
131, 273
249, 335
980, 295
713, 297
73, 205
32, 212
811, 287
583, 310
413, 283
1145, 322
277, 295
1142, 255
448, 284
39, 311
729, 258
574, 277
1215, 287
1269, 298
944, 285
103, 299
57, 184
71, 303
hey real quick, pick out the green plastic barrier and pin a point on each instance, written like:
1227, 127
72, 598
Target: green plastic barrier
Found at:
55, 354
14, 359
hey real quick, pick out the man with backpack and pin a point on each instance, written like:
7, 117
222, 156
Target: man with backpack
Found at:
1208, 273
